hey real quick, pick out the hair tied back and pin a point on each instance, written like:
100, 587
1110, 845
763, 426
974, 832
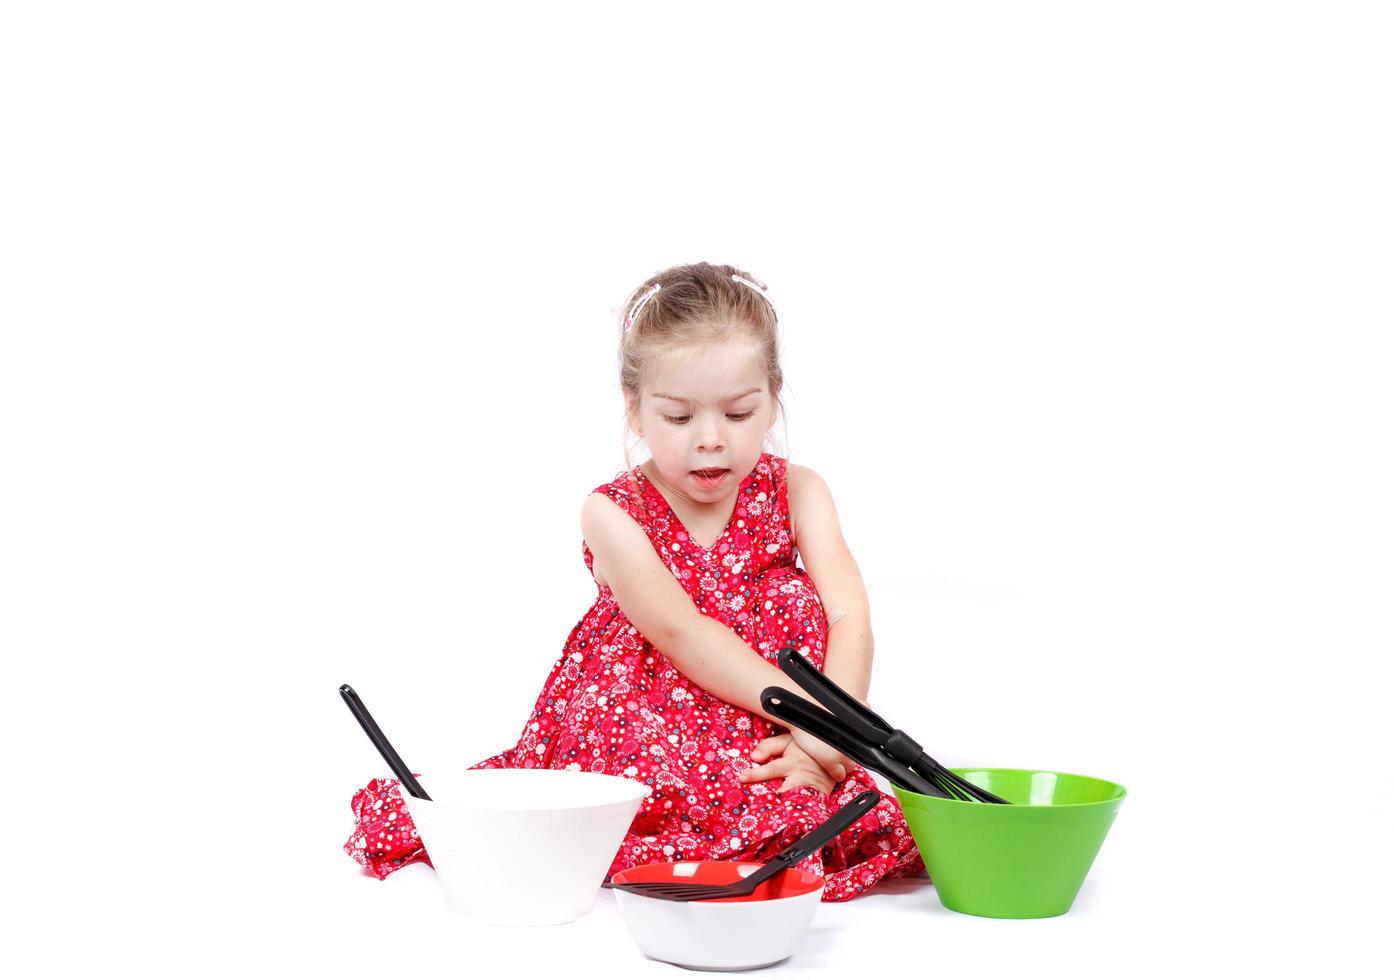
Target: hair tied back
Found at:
649, 294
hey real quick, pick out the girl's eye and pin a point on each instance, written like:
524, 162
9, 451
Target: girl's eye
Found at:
681, 419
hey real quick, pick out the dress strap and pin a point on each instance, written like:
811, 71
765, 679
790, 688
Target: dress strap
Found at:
626, 491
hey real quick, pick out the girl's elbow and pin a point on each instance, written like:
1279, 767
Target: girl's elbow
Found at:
855, 612
671, 635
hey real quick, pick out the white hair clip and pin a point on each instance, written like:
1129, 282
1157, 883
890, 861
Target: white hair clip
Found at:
634, 313
755, 286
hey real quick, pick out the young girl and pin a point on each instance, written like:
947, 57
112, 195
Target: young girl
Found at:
694, 553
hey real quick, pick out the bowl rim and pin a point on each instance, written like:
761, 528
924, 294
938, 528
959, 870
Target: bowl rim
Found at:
960, 770
818, 890
633, 796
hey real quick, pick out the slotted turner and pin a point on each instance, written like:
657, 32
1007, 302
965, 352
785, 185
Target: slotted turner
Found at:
675, 891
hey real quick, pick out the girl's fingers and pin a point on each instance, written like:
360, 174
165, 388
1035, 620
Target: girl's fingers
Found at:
793, 774
831, 764
772, 746
834, 763
770, 770
803, 777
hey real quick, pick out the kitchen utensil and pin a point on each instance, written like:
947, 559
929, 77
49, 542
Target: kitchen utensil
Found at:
863, 730
1023, 861
798, 713
787, 858
379, 740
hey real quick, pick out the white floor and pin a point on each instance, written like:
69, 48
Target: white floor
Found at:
1114, 929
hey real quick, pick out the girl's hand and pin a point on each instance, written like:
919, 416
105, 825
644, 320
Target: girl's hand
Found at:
788, 762
833, 762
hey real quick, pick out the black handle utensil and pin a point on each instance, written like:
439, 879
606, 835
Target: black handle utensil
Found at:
810, 842
854, 726
379, 740
798, 713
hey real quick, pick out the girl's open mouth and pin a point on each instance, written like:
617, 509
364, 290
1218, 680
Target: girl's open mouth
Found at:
709, 478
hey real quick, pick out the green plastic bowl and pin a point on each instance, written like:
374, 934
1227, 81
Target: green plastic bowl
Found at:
1025, 861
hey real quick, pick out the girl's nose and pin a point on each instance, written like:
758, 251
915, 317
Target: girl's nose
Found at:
710, 438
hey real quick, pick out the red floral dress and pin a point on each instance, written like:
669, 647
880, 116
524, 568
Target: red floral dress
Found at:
615, 704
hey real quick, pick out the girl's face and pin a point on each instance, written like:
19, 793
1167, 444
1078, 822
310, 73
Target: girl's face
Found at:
708, 410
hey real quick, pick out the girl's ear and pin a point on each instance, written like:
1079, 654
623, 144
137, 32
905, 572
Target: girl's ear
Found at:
631, 414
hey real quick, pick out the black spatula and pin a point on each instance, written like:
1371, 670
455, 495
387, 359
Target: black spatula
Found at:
677, 891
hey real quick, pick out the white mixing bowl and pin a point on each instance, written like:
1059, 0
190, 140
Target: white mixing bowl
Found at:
524, 846
728, 934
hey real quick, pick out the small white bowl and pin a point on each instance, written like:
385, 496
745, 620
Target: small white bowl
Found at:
728, 934
524, 846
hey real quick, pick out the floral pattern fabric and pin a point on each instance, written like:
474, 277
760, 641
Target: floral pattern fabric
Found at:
615, 704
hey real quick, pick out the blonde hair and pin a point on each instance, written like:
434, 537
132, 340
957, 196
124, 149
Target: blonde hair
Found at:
694, 308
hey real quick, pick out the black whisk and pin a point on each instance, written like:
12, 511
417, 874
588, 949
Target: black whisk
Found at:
855, 730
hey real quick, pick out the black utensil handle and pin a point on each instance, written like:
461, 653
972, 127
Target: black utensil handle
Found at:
813, 840
798, 713
379, 740
861, 719
872, 728
830, 828
865, 722
795, 711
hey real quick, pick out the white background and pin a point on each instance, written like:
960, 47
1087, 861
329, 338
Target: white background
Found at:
309, 336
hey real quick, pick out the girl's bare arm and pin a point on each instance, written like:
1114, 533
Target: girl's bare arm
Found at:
703, 648
650, 597
830, 564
